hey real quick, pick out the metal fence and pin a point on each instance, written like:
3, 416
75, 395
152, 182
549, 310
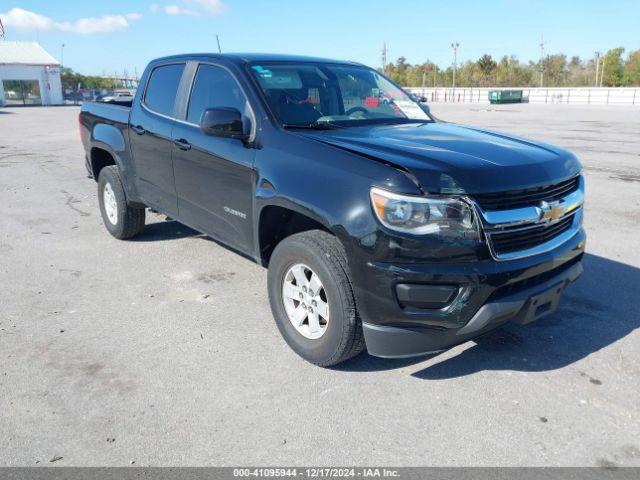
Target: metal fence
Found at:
577, 96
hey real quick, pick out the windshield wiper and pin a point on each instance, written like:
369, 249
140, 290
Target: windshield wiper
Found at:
313, 126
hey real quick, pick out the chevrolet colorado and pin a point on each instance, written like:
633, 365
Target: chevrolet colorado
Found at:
380, 225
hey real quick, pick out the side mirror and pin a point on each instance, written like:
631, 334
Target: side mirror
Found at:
425, 108
223, 122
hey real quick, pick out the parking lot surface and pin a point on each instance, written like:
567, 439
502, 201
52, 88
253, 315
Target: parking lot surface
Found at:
163, 350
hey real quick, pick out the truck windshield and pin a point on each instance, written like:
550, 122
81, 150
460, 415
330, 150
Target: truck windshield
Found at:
307, 95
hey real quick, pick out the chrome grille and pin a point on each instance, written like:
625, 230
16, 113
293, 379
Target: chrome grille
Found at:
536, 221
526, 238
526, 197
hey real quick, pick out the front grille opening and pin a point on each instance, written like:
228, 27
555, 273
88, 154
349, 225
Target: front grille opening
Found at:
519, 240
526, 197
522, 285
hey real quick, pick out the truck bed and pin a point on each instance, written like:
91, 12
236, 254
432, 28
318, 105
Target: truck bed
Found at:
107, 111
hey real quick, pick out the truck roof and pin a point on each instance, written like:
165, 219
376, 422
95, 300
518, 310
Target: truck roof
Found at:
255, 57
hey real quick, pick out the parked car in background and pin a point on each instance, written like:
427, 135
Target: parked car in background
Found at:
119, 96
74, 97
380, 226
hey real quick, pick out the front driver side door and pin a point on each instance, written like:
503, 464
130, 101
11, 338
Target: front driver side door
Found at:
214, 176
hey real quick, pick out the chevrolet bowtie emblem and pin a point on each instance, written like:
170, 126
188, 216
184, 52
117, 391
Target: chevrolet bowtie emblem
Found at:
551, 212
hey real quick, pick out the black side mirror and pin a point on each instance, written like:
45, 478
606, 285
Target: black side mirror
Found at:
223, 122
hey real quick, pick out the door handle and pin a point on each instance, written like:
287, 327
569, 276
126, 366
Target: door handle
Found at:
182, 144
138, 129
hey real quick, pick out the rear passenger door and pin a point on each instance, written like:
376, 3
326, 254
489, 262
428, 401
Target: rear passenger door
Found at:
151, 124
214, 176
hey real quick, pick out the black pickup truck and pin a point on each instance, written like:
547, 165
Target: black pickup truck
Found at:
380, 225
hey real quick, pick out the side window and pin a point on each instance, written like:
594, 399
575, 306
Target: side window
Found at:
162, 88
214, 87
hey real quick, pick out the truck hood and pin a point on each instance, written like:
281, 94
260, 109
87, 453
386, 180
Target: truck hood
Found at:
448, 158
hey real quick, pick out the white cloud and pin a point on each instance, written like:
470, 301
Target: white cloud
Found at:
172, 10
133, 16
26, 21
196, 8
209, 6
88, 26
177, 10
153, 8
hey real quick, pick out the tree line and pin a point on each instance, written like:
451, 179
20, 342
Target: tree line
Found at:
70, 80
614, 69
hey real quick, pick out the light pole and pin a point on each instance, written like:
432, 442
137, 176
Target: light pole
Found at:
384, 58
454, 48
541, 61
61, 56
597, 66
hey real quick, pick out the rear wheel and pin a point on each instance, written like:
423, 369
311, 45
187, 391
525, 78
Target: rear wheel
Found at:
312, 299
121, 219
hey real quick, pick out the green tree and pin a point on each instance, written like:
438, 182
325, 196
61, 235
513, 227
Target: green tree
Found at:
555, 70
70, 80
631, 75
487, 67
613, 66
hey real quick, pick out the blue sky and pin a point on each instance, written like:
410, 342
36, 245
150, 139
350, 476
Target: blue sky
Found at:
105, 37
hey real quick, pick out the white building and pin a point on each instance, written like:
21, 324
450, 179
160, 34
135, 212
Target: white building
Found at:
28, 75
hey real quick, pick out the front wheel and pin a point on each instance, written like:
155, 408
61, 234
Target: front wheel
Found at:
312, 298
121, 219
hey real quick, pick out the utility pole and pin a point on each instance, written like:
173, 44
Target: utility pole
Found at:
384, 57
597, 66
218, 41
604, 63
541, 61
454, 48
61, 56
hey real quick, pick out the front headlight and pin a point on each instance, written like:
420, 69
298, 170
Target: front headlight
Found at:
444, 216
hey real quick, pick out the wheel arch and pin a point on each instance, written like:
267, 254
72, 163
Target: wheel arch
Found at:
101, 156
279, 219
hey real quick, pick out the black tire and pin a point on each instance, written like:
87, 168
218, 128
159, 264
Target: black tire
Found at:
323, 254
129, 220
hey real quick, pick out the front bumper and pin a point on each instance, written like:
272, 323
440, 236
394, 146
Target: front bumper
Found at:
489, 294
523, 307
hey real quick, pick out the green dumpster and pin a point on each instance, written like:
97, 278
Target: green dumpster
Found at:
505, 96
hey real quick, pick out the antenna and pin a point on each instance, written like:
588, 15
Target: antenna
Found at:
454, 48
218, 41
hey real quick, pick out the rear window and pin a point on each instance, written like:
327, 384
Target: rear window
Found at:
162, 88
